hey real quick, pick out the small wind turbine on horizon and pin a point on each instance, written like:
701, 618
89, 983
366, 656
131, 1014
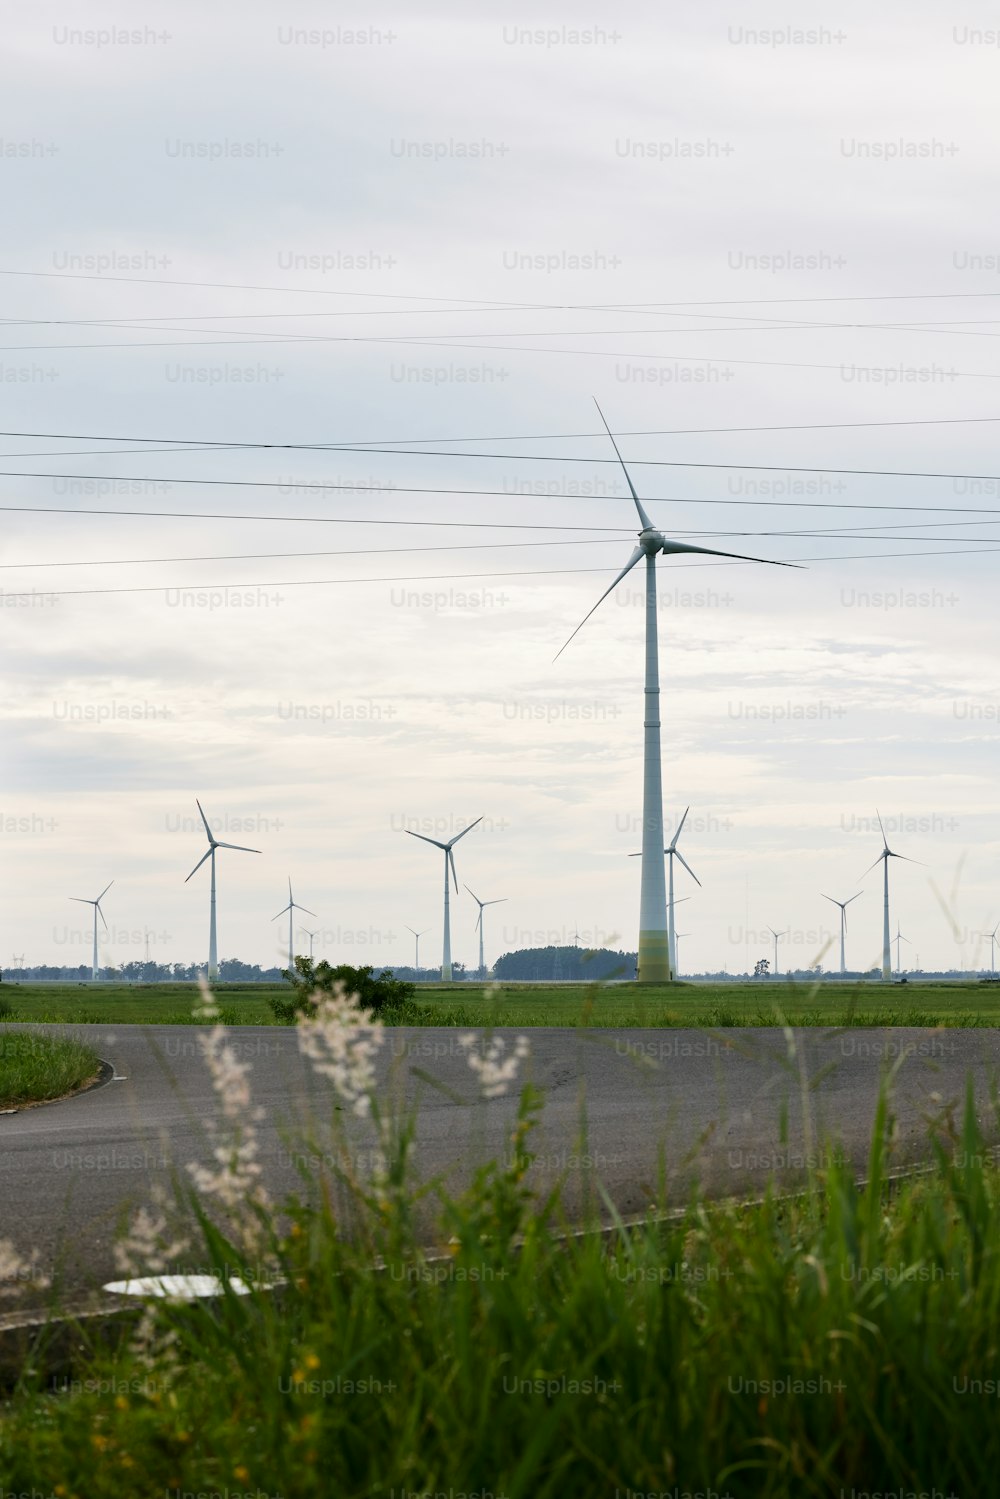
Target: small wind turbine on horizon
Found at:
416, 947
482, 904
673, 852
310, 935
843, 904
213, 844
291, 908
655, 961
82, 899
992, 936
776, 935
883, 858
449, 858
898, 939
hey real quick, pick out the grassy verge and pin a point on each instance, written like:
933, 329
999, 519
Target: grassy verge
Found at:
710, 1005
842, 1340
34, 1067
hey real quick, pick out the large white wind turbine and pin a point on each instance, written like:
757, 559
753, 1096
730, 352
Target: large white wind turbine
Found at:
482, 904
655, 958
843, 904
776, 935
672, 852
883, 858
449, 858
97, 907
213, 844
291, 908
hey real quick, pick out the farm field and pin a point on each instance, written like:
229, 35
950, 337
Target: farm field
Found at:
958, 1003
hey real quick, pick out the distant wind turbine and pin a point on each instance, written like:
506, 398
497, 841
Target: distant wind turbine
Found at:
291, 908
213, 844
655, 963
776, 935
898, 939
883, 858
843, 904
416, 946
310, 935
672, 851
677, 943
97, 908
992, 936
482, 904
449, 858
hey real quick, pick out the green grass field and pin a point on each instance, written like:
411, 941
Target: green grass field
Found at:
524, 1005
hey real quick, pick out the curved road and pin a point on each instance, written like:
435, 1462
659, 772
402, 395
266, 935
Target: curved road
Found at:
657, 1106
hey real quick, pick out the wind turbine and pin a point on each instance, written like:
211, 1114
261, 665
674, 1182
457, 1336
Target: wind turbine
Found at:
449, 858
309, 934
776, 935
482, 904
291, 908
992, 936
213, 844
416, 947
677, 944
655, 959
672, 852
898, 939
886, 854
843, 904
97, 907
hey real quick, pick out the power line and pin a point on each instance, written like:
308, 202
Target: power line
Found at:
441, 577
506, 494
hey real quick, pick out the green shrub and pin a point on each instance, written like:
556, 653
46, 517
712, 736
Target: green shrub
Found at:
376, 992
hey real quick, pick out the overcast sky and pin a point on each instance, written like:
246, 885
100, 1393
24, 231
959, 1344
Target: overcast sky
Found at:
447, 233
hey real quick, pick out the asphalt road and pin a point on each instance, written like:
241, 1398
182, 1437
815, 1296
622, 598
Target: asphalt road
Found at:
642, 1110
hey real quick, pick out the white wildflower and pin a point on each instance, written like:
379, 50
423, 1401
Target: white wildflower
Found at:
207, 1008
495, 1070
16, 1271
145, 1248
235, 1179
341, 1040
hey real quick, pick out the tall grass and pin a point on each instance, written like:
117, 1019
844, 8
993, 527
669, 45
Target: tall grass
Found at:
35, 1067
844, 1339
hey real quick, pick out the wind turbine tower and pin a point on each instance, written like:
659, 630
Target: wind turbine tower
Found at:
776, 935
449, 858
97, 908
655, 958
883, 858
482, 904
291, 908
416, 947
843, 904
213, 844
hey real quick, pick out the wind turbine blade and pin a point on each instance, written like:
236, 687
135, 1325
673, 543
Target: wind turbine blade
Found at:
673, 843
501, 902
284, 912
424, 839
835, 902
452, 841
306, 909
682, 546
636, 556
881, 828
906, 859
239, 848
451, 859
97, 907
82, 900
877, 861
475, 897
647, 524
479, 920
208, 830
687, 866
206, 855
105, 890
854, 897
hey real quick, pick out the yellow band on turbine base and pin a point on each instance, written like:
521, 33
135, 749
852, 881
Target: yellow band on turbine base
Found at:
654, 958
